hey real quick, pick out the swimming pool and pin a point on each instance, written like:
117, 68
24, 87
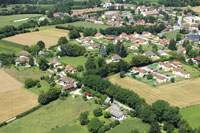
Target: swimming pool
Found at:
85, 44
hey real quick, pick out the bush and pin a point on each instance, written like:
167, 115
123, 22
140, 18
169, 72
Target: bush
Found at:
172, 80
79, 85
28, 112
97, 112
84, 118
107, 115
38, 85
3, 124
29, 83
122, 74
107, 127
84, 97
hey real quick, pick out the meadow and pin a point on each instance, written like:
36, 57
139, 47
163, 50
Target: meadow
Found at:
8, 20
192, 115
196, 9
182, 94
49, 37
172, 34
87, 25
73, 61
14, 99
54, 115
9, 47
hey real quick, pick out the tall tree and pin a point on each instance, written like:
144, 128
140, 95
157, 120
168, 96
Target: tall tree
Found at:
102, 51
90, 64
172, 45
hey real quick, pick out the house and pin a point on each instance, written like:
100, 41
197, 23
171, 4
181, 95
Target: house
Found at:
94, 46
24, 61
124, 35
116, 58
41, 53
70, 69
181, 72
176, 64
116, 113
192, 37
142, 72
143, 41
165, 66
134, 70
109, 38
24, 54
160, 79
55, 63
107, 101
135, 46
58, 14
181, 50
151, 13
86, 40
67, 83
162, 53
118, 40
87, 94
99, 36
151, 54
197, 59
176, 26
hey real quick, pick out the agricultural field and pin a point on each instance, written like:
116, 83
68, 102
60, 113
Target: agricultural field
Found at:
191, 114
182, 94
73, 61
14, 99
87, 25
8, 20
49, 37
130, 124
9, 47
58, 114
196, 9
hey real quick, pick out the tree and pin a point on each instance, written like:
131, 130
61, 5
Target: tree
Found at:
122, 74
41, 44
172, 116
97, 112
172, 80
62, 40
149, 76
29, 83
168, 127
74, 34
190, 61
43, 64
155, 128
140, 49
94, 125
107, 115
80, 68
102, 51
43, 99
184, 127
147, 114
172, 45
123, 51
135, 131
178, 37
90, 64
31, 61
140, 60
83, 118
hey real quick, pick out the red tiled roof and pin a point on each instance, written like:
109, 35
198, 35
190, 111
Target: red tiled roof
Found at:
197, 58
87, 93
67, 87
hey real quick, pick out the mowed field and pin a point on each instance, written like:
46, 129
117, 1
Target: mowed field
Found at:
9, 47
182, 94
49, 37
13, 99
196, 9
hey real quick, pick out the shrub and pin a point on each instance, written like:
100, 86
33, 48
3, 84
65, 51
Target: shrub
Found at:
172, 80
84, 97
29, 83
107, 115
122, 74
97, 112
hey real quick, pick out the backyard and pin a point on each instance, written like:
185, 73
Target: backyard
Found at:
73, 61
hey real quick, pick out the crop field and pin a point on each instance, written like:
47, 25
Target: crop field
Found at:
196, 9
58, 114
13, 99
182, 94
9, 47
8, 20
49, 37
87, 25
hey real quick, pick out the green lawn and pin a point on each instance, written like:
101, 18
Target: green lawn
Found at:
9, 47
192, 115
8, 20
74, 61
130, 124
172, 34
128, 58
56, 114
87, 25
44, 87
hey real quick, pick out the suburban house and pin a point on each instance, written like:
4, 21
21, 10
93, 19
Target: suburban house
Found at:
165, 66
107, 101
135, 46
181, 72
176, 64
99, 36
181, 50
24, 61
94, 46
151, 54
86, 40
197, 59
87, 94
41, 53
55, 63
67, 83
124, 35
116, 58
142, 72
118, 39
116, 113
160, 79
152, 13
24, 54
176, 26
162, 53
70, 69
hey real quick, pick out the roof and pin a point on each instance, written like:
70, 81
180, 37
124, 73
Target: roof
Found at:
176, 63
67, 79
24, 53
109, 38
123, 34
151, 13
197, 58
136, 45
21, 59
158, 76
107, 100
181, 71
98, 35
54, 61
66, 87
94, 45
69, 68
87, 93
116, 57
149, 53
115, 111
142, 70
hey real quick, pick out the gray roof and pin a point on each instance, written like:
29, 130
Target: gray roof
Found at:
115, 111
41, 53
149, 53
160, 51
107, 100
116, 57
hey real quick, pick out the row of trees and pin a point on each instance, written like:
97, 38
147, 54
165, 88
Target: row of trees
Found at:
179, 3
119, 49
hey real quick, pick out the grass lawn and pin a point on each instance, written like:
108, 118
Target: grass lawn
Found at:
192, 115
74, 61
87, 25
9, 47
130, 124
56, 114
33, 72
44, 87
128, 58
172, 34
8, 20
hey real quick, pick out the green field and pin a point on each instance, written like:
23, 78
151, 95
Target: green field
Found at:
44, 87
87, 25
192, 115
74, 61
9, 47
172, 34
8, 20
130, 124
54, 115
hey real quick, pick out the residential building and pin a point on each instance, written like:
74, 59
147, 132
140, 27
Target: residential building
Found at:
116, 58
151, 54
116, 113
94, 46
181, 72
70, 69
176, 64
99, 36
55, 63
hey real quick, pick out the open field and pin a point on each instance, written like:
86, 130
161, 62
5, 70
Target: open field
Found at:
13, 99
192, 115
87, 25
49, 37
74, 61
8, 20
9, 47
130, 124
172, 34
196, 9
182, 94
56, 114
